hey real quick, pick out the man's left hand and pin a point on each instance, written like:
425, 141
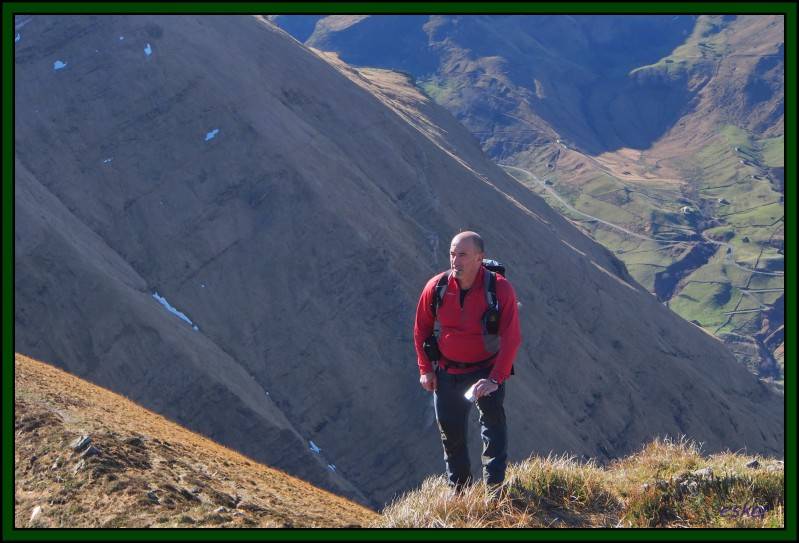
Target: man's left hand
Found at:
485, 387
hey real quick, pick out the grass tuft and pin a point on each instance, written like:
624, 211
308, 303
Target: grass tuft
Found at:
668, 483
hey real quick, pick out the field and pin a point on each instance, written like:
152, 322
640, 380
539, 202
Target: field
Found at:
728, 199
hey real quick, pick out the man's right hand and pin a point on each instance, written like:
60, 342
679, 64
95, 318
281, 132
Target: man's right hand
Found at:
428, 381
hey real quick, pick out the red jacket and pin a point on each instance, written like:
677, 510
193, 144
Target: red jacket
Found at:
461, 338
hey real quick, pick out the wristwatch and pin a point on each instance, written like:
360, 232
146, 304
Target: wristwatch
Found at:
494, 381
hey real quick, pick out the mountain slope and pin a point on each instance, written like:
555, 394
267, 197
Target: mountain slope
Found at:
130, 343
623, 123
139, 470
507, 77
292, 217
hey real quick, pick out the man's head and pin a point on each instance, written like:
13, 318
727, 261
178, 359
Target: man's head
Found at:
466, 255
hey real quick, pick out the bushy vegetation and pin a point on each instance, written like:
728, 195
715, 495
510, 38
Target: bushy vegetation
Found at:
668, 483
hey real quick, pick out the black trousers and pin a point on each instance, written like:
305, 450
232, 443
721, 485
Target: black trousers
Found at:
452, 412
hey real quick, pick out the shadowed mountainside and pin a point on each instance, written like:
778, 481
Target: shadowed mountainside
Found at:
513, 74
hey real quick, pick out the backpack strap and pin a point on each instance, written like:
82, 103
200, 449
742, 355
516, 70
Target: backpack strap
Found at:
491, 290
490, 280
441, 289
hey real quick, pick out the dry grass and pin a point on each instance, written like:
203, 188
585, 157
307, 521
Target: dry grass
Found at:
539, 492
149, 471
655, 487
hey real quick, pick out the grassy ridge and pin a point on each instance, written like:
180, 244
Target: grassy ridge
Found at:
668, 483
142, 470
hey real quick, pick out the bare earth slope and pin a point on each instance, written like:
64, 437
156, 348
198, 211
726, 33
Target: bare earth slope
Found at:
139, 470
292, 217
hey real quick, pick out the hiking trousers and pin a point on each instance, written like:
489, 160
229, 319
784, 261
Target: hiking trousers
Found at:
452, 413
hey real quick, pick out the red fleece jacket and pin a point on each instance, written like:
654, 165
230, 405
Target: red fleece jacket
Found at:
461, 338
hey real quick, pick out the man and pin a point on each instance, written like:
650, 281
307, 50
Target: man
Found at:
469, 355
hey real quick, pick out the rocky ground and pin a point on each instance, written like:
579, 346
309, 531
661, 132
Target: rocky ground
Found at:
85, 457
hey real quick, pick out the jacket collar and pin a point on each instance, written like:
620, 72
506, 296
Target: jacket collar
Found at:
478, 280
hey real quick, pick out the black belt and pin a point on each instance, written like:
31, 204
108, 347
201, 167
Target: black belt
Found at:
446, 363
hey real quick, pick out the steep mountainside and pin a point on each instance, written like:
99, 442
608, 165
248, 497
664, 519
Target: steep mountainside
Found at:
660, 135
215, 222
507, 76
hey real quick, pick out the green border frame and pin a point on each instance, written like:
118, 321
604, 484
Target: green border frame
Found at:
353, 7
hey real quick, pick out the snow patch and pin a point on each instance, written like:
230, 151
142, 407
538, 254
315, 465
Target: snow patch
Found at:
18, 37
174, 311
107, 160
148, 50
58, 65
121, 38
314, 448
212, 134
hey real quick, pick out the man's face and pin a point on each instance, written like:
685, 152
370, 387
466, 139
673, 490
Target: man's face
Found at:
464, 258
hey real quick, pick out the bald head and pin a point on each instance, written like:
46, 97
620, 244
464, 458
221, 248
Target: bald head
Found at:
472, 237
466, 257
